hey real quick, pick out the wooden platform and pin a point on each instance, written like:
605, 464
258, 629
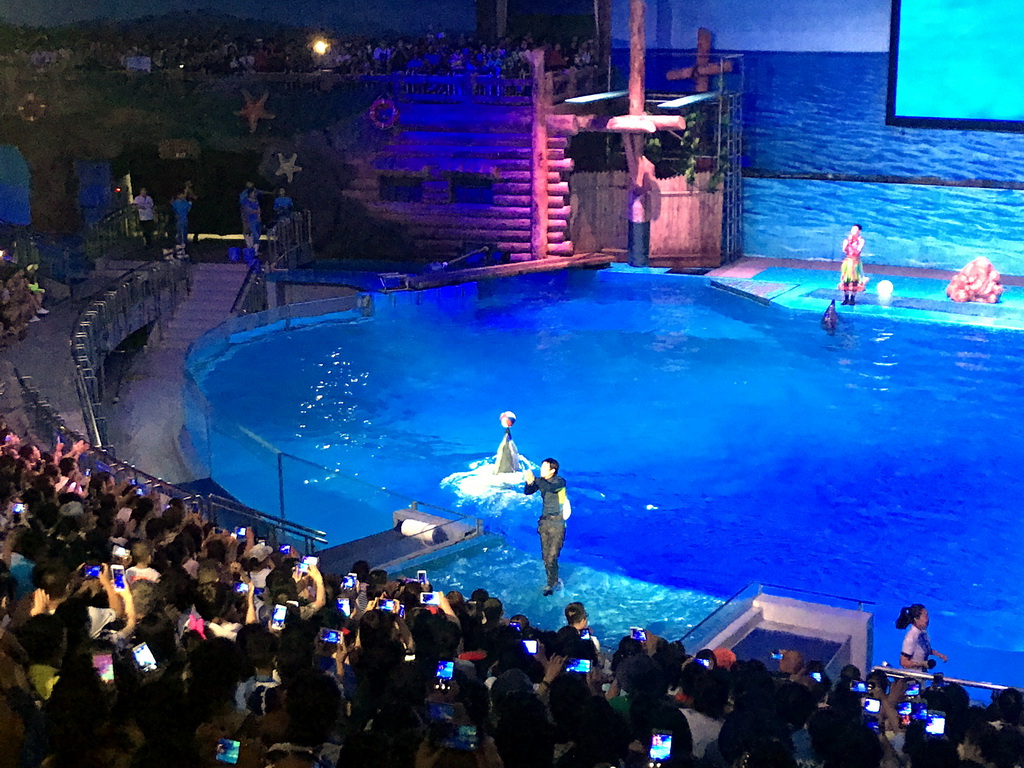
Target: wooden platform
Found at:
554, 264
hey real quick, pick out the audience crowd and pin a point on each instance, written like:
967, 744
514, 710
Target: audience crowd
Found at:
224, 52
21, 301
135, 633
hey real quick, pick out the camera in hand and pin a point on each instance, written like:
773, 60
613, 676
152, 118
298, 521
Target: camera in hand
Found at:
931, 663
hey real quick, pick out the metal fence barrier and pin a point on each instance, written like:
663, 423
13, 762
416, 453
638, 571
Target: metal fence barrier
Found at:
46, 424
141, 297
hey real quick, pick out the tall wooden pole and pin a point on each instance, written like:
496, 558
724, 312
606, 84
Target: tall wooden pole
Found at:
637, 55
639, 220
603, 35
541, 104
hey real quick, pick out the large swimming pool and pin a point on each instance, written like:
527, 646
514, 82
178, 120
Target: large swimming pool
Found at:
707, 440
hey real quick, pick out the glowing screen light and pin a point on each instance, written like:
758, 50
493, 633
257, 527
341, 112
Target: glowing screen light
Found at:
956, 64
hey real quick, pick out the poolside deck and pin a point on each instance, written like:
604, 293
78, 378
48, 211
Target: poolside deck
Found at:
919, 294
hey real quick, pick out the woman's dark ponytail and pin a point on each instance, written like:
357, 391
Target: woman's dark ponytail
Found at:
908, 615
904, 619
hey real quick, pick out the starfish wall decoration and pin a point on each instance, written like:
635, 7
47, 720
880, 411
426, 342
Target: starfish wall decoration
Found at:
255, 110
287, 167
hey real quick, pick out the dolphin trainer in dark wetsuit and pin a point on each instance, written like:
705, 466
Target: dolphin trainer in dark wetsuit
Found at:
554, 509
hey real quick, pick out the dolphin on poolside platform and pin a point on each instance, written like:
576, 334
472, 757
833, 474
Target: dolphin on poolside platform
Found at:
830, 320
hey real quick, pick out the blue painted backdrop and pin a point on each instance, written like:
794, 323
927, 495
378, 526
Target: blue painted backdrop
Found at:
825, 113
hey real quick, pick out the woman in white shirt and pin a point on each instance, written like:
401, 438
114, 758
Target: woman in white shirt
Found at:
917, 646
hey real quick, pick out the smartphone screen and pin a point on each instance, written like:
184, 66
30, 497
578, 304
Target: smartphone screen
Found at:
706, 663
421, 577
661, 746
430, 598
919, 710
581, 666
240, 532
119, 551
516, 626
277, 619
859, 686
638, 634
462, 737
227, 751
241, 587
344, 607
92, 571
913, 690
330, 636
144, 658
530, 646
117, 571
872, 706
816, 677
871, 721
777, 655
585, 634
18, 508
445, 670
935, 725
903, 709
309, 562
349, 582
103, 663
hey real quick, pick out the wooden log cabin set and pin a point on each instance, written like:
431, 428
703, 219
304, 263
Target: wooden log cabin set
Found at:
473, 162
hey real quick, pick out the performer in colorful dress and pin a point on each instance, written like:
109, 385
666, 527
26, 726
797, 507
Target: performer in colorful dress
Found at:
851, 274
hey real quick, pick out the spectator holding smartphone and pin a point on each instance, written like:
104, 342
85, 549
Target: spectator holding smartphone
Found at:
917, 646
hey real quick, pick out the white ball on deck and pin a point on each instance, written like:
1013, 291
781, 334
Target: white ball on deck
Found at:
884, 289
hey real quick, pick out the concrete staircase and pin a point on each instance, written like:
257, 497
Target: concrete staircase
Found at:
214, 288
148, 420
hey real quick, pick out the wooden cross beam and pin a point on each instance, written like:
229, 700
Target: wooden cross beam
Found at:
702, 71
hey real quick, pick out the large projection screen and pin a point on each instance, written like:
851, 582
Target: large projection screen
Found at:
957, 64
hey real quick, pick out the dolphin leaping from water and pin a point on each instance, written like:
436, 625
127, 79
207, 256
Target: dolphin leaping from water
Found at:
507, 459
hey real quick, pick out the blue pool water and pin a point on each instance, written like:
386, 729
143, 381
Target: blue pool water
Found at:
707, 440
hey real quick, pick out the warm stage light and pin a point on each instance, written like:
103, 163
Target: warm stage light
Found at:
320, 47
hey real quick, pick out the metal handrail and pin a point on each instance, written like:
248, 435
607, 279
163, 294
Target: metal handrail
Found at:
41, 412
135, 301
857, 600
415, 503
253, 280
719, 609
912, 675
757, 588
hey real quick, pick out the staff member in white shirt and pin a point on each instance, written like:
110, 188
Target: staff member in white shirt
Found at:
917, 646
147, 214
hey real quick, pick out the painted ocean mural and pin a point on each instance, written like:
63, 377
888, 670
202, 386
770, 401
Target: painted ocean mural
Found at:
824, 113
